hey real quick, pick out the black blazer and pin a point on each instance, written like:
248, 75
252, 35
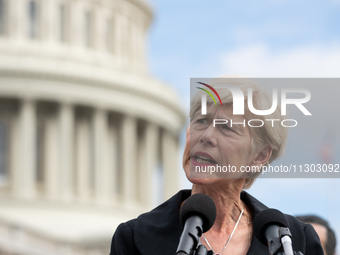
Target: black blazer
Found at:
158, 231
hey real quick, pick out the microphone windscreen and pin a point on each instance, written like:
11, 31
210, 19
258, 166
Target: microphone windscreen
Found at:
200, 205
266, 218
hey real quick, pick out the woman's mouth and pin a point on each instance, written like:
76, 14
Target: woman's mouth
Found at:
200, 158
203, 160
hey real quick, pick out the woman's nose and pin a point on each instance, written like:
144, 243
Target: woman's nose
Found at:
209, 136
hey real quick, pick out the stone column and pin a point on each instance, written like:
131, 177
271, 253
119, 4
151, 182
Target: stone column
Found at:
113, 160
143, 57
101, 170
66, 122
110, 36
129, 154
83, 159
76, 24
50, 19
126, 43
130, 37
119, 38
51, 162
139, 48
132, 45
99, 31
15, 150
170, 164
16, 17
148, 151
28, 149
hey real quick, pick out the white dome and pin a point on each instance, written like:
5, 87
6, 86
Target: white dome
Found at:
83, 125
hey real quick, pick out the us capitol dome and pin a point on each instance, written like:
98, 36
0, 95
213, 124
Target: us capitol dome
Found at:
83, 125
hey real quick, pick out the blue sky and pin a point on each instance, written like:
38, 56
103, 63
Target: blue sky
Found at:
204, 39
277, 38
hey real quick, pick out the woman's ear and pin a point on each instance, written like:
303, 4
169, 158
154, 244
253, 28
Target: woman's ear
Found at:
263, 156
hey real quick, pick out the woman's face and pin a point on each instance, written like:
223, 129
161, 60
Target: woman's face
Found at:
223, 145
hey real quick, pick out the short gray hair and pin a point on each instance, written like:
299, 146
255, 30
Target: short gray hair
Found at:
275, 136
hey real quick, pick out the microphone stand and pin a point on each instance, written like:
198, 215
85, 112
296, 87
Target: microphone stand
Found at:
201, 250
192, 245
276, 244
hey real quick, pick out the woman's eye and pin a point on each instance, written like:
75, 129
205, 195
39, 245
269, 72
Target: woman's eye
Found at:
202, 120
227, 128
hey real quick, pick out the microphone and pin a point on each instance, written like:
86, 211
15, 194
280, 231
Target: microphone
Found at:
197, 215
271, 229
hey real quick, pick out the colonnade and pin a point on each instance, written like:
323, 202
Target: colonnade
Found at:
61, 151
109, 33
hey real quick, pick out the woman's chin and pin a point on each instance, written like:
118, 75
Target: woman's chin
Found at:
208, 179
200, 179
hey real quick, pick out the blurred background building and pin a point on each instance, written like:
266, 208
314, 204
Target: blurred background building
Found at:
83, 125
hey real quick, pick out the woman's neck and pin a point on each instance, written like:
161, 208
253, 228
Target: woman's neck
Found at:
228, 205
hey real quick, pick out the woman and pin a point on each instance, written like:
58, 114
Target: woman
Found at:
237, 146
